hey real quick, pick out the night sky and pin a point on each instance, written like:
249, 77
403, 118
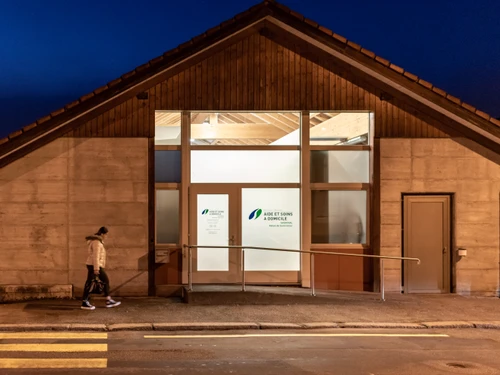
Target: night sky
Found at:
54, 51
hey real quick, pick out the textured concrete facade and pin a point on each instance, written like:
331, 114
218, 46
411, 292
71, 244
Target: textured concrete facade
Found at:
442, 165
55, 196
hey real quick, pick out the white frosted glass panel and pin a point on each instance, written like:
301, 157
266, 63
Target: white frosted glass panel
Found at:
271, 218
338, 217
245, 166
213, 230
167, 135
340, 166
167, 216
167, 128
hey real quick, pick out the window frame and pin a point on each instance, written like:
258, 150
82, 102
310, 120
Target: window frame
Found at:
332, 186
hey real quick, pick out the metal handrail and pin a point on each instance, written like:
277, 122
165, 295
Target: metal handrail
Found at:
313, 290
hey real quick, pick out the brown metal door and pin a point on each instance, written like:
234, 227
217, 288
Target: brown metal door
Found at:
214, 216
427, 237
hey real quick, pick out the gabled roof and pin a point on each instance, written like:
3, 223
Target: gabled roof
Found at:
269, 9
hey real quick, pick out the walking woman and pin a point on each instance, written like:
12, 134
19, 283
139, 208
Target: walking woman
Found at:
96, 262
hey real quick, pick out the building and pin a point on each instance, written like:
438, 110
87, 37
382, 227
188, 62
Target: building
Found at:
267, 130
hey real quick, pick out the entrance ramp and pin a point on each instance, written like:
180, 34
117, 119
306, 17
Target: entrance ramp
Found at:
269, 295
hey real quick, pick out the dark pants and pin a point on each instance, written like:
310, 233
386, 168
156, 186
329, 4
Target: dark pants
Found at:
90, 276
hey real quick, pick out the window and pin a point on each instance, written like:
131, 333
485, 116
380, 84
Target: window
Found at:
167, 128
340, 166
167, 216
338, 217
245, 129
245, 166
167, 166
339, 128
340, 144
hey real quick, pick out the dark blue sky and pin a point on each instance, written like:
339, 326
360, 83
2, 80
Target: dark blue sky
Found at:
54, 51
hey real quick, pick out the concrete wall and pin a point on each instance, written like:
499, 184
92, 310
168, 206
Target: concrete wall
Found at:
52, 198
458, 166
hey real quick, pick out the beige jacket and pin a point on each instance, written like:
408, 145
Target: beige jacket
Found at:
96, 251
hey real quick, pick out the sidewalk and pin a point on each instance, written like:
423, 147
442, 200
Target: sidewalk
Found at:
349, 310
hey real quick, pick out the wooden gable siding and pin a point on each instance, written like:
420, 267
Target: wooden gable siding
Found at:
258, 74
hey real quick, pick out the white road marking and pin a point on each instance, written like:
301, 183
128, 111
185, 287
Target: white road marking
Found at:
297, 335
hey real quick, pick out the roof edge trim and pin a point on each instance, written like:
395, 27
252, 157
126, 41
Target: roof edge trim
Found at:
382, 78
253, 24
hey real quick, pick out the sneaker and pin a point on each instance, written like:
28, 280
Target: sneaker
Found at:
112, 303
87, 306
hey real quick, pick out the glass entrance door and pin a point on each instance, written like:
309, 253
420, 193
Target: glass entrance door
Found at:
214, 221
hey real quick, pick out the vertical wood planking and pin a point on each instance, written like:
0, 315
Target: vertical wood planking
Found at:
309, 84
233, 88
164, 95
303, 82
256, 73
349, 95
151, 111
274, 76
262, 73
337, 99
227, 78
210, 83
135, 116
268, 70
243, 74
285, 77
111, 119
279, 78
292, 79
192, 87
175, 92
250, 72
204, 84
105, 121
327, 90
321, 88
182, 90
355, 95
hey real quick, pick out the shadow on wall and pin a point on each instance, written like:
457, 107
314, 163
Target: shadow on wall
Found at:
142, 265
22, 166
480, 150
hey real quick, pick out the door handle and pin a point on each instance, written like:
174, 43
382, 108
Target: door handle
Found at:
231, 240
444, 250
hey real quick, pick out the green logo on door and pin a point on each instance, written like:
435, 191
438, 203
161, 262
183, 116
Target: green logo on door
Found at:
205, 211
255, 214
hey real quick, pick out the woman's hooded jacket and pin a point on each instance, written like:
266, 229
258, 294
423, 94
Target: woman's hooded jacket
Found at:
96, 252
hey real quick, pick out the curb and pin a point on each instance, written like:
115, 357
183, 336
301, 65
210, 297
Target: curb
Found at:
221, 326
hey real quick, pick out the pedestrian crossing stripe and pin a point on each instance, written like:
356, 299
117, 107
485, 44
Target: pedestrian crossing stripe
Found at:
49, 347
20, 363
69, 348
53, 335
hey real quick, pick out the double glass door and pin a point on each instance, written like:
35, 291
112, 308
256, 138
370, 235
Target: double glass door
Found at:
234, 214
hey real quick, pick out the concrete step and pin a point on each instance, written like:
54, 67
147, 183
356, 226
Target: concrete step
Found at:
267, 295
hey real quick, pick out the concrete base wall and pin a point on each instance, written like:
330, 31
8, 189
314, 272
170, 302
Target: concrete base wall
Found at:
456, 166
12, 293
54, 197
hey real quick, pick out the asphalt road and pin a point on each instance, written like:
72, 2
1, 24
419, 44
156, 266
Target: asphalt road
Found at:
334, 351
